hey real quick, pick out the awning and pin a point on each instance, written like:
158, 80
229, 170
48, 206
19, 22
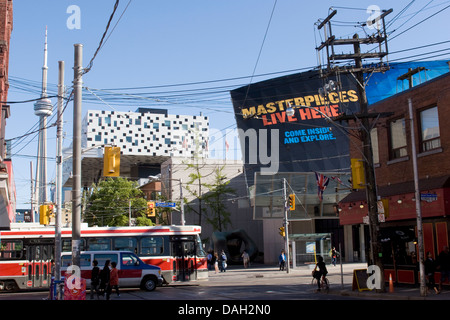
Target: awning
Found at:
405, 234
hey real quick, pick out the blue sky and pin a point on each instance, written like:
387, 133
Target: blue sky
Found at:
162, 44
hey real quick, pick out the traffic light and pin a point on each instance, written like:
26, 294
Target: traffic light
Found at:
44, 217
50, 210
151, 209
282, 232
111, 162
292, 202
358, 176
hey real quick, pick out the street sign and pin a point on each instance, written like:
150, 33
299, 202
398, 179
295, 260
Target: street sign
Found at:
428, 197
166, 204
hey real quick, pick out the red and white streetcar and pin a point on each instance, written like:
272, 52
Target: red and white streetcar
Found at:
27, 249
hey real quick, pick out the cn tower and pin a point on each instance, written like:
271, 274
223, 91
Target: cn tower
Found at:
42, 108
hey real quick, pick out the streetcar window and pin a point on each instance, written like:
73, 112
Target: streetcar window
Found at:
125, 244
66, 245
152, 246
102, 257
99, 244
11, 249
200, 251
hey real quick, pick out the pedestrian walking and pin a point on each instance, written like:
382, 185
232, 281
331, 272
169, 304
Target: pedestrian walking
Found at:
114, 279
209, 262
223, 260
216, 262
105, 276
245, 259
334, 254
430, 268
95, 280
282, 260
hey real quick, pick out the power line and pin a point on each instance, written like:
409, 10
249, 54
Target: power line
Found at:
91, 62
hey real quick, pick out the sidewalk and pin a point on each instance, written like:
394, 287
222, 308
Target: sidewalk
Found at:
341, 282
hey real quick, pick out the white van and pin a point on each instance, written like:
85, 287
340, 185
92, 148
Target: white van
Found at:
133, 272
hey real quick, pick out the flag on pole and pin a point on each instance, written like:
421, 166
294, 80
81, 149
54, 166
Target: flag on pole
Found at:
227, 146
322, 182
185, 143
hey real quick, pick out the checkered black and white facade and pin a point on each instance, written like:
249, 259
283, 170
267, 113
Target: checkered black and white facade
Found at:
151, 132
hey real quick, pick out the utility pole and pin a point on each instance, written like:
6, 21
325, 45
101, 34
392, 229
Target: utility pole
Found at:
76, 188
286, 225
59, 138
364, 116
32, 192
420, 244
182, 203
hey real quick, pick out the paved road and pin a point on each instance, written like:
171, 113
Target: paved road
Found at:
255, 283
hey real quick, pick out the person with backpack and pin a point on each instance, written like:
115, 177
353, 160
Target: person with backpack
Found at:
223, 259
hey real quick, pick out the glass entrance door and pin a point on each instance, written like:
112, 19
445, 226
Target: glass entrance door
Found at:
183, 252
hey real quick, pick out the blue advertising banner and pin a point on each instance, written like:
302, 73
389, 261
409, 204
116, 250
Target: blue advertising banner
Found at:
284, 124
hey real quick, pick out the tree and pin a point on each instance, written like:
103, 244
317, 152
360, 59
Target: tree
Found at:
194, 187
108, 203
219, 217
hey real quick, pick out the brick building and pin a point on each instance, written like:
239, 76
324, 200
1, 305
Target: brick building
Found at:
391, 139
7, 189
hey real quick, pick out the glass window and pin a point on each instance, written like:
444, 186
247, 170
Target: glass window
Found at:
398, 138
11, 249
85, 260
152, 245
374, 138
67, 245
156, 126
200, 251
129, 259
429, 123
99, 244
102, 257
125, 243
66, 260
